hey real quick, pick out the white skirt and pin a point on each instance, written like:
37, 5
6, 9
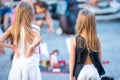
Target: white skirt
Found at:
25, 69
88, 72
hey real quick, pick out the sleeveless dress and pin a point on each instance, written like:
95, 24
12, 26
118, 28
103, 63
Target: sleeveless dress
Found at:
25, 68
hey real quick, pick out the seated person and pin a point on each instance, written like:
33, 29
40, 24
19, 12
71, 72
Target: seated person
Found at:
42, 8
54, 62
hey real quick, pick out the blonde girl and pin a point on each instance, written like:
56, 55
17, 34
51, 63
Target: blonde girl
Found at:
24, 41
81, 67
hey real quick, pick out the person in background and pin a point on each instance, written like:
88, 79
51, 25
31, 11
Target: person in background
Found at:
54, 59
92, 5
114, 4
41, 7
80, 64
54, 62
5, 12
14, 10
24, 41
67, 11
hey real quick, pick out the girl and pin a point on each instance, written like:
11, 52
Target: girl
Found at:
81, 67
24, 41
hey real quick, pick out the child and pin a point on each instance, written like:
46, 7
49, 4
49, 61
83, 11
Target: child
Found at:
81, 66
41, 7
24, 41
54, 62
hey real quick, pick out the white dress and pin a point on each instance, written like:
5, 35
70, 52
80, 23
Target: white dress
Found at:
25, 68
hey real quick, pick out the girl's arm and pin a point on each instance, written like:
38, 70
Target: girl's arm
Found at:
4, 37
72, 58
49, 21
35, 43
3, 44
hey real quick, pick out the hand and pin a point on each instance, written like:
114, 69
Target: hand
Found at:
50, 30
29, 53
72, 78
17, 55
2, 51
14, 48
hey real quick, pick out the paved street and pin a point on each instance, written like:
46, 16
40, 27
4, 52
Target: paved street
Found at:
109, 33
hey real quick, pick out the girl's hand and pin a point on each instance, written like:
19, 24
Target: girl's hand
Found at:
72, 78
2, 51
14, 48
29, 53
17, 55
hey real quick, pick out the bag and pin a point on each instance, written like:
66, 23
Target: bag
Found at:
107, 78
96, 61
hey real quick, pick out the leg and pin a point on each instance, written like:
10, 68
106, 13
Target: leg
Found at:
6, 21
64, 24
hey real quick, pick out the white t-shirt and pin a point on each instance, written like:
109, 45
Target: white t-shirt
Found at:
54, 59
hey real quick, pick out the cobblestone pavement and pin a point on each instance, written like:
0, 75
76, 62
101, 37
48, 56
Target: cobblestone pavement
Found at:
109, 33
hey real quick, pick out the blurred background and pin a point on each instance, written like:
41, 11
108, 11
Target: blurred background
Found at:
56, 43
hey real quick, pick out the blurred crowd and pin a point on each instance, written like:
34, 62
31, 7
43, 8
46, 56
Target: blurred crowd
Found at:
63, 10
8, 11
5, 13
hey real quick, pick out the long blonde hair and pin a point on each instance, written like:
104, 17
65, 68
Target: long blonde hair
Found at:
86, 22
24, 17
